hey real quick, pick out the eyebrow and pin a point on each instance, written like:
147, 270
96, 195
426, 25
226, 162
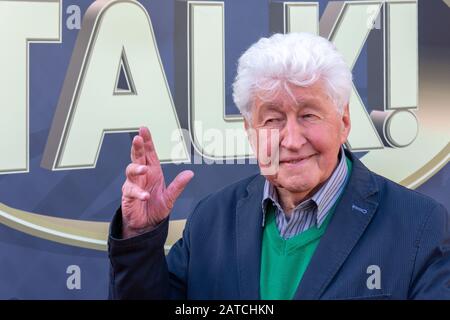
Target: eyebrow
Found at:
301, 102
269, 107
265, 108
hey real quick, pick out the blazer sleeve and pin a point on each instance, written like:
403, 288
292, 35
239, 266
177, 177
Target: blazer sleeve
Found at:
139, 268
431, 275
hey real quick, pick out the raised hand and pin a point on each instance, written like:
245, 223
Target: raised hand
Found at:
145, 199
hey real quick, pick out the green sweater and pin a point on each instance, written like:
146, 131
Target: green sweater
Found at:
284, 261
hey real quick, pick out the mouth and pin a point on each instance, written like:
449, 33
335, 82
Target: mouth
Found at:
296, 161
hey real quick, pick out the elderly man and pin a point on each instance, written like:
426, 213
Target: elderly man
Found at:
319, 226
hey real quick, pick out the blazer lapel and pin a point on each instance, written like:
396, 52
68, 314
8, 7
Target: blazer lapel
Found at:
249, 237
350, 219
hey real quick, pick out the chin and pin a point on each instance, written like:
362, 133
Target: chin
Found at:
294, 183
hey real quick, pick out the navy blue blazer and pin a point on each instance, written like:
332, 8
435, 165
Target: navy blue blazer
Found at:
383, 242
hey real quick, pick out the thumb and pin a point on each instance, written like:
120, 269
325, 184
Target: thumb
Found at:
177, 186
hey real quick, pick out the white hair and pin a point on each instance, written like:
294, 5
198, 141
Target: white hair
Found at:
300, 59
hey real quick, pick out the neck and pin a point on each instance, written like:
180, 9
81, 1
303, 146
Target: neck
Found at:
289, 200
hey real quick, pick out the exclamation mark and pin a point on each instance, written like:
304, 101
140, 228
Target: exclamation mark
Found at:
397, 124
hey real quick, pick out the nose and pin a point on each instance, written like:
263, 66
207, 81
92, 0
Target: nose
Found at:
292, 135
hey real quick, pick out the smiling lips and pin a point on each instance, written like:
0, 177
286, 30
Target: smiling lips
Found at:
296, 160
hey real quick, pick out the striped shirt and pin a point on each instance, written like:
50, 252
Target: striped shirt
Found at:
311, 212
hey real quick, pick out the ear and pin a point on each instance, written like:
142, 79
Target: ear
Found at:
251, 135
346, 124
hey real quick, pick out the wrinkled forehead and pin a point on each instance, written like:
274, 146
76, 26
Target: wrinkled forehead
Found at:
279, 97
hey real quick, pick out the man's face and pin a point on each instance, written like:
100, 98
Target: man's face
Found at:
311, 131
